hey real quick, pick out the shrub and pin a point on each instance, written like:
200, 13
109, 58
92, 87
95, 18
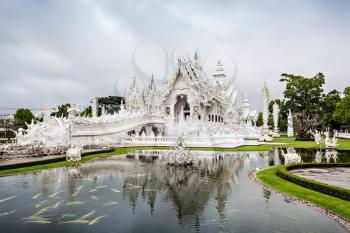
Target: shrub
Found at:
331, 190
304, 139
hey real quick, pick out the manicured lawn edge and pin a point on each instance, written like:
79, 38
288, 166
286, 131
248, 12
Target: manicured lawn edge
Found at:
283, 172
335, 205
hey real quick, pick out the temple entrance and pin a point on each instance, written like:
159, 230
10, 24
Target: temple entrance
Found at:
182, 109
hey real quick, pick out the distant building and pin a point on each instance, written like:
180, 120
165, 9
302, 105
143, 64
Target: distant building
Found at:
7, 127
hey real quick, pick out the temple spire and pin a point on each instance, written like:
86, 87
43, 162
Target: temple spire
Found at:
134, 82
195, 56
151, 84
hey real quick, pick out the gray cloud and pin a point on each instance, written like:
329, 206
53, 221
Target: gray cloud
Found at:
69, 51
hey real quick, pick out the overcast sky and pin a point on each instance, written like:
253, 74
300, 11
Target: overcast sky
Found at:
69, 51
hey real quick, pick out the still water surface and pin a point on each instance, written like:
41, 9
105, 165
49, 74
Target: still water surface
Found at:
137, 193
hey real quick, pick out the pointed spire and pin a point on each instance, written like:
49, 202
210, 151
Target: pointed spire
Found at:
195, 55
151, 84
134, 82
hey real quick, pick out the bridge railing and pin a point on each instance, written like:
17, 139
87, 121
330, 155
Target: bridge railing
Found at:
343, 135
213, 141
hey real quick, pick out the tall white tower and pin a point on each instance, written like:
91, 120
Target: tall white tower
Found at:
265, 104
275, 113
290, 129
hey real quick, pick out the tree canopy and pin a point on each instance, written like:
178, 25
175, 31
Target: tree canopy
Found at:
22, 117
328, 106
110, 104
342, 110
62, 111
303, 94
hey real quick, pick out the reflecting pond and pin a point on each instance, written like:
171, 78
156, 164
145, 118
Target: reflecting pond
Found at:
137, 193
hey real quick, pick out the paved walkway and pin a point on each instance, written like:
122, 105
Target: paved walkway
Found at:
338, 176
29, 159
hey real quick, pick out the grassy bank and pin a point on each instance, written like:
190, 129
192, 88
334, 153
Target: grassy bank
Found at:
344, 144
338, 206
62, 163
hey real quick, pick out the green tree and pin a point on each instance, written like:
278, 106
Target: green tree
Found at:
259, 121
303, 95
87, 112
342, 110
23, 116
328, 107
62, 111
110, 104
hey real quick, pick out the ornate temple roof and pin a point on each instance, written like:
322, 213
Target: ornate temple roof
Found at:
189, 75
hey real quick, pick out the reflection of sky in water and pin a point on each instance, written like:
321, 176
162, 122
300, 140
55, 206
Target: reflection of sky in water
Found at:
140, 194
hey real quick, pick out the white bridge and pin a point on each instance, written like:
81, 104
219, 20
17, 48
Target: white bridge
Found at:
112, 132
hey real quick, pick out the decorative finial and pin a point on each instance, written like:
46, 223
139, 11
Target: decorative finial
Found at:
195, 55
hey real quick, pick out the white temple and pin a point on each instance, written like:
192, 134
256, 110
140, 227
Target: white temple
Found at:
206, 110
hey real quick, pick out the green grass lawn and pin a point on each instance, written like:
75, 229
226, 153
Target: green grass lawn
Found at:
338, 206
344, 144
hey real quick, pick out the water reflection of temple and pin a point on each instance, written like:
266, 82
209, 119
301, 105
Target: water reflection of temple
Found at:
189, 190
145, 177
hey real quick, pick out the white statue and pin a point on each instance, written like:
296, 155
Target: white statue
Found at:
74, 153
318, 138
330, 143
47, 112
265, 104
276, 112
290, 130
73, 111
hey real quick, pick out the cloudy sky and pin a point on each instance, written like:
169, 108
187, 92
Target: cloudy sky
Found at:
69, 51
